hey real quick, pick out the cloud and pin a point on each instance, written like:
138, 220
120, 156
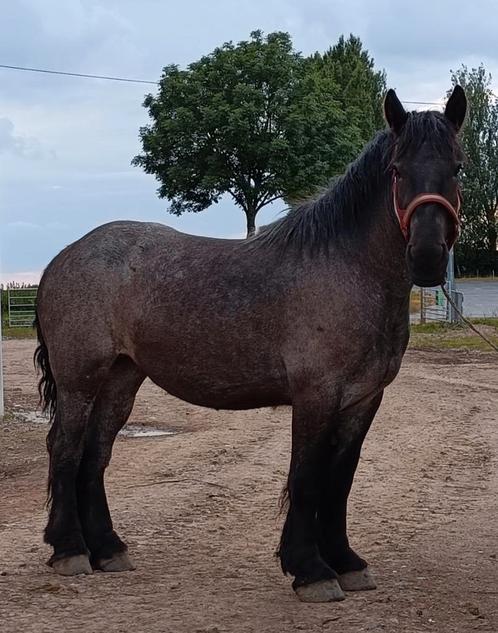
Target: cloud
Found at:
64, 34
22, 225
25, 146
57, 226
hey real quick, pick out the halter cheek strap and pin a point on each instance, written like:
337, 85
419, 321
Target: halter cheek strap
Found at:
405, 215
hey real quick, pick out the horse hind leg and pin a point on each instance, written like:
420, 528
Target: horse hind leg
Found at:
110, 413
65, 444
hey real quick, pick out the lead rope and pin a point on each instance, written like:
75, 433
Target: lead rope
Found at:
471, 325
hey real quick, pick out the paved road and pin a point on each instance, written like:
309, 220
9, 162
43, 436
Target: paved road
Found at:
480, 298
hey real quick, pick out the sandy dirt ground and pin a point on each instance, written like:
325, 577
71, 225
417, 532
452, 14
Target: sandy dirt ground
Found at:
199, 510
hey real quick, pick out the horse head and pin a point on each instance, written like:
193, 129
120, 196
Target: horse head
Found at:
426, 196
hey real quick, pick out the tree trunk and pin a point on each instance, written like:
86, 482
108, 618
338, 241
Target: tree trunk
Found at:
492, 238
251, 222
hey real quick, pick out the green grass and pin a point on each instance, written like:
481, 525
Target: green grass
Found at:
18, 332
441, 326
486, 321
445, 336
433, 327
447, 343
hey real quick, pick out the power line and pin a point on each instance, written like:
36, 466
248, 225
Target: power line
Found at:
133, 81
86, 75
422, 102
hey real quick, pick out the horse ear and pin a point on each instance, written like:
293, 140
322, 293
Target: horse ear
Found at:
394, 112
456, 107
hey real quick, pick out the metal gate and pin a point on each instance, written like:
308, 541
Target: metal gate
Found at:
433, 305
21, 304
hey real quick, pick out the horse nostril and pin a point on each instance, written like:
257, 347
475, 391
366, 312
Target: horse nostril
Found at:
434, 251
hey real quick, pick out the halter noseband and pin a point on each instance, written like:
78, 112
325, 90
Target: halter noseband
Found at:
405, 215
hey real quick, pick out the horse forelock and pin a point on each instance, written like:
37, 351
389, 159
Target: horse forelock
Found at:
429, 128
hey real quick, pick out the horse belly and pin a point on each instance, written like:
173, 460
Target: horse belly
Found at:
218, 381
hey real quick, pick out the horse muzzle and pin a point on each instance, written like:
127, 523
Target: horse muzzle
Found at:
427, 256
427, 264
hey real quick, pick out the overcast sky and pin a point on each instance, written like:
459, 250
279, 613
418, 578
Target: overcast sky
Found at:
66, 143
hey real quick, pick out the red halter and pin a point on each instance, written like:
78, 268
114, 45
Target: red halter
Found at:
405, 215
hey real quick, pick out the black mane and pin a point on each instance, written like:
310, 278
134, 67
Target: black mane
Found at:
344, 210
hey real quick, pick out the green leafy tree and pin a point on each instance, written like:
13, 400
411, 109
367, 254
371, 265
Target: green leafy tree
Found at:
476, 248
254, 120
355, 84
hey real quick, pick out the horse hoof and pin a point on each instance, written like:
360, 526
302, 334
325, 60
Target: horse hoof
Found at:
72, 565
322, 591
119, 562
361, 580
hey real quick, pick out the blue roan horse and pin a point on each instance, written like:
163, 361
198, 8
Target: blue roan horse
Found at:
312, 312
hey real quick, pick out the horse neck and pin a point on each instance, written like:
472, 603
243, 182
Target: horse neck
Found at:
380, 249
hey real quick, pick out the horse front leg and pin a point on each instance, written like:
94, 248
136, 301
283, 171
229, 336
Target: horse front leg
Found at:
314, 579
346, 439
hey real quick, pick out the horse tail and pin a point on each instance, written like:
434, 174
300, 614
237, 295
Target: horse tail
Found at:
283, 503
48, 392
284, 499
46, 385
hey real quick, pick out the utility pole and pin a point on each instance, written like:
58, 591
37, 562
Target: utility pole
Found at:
451, 313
